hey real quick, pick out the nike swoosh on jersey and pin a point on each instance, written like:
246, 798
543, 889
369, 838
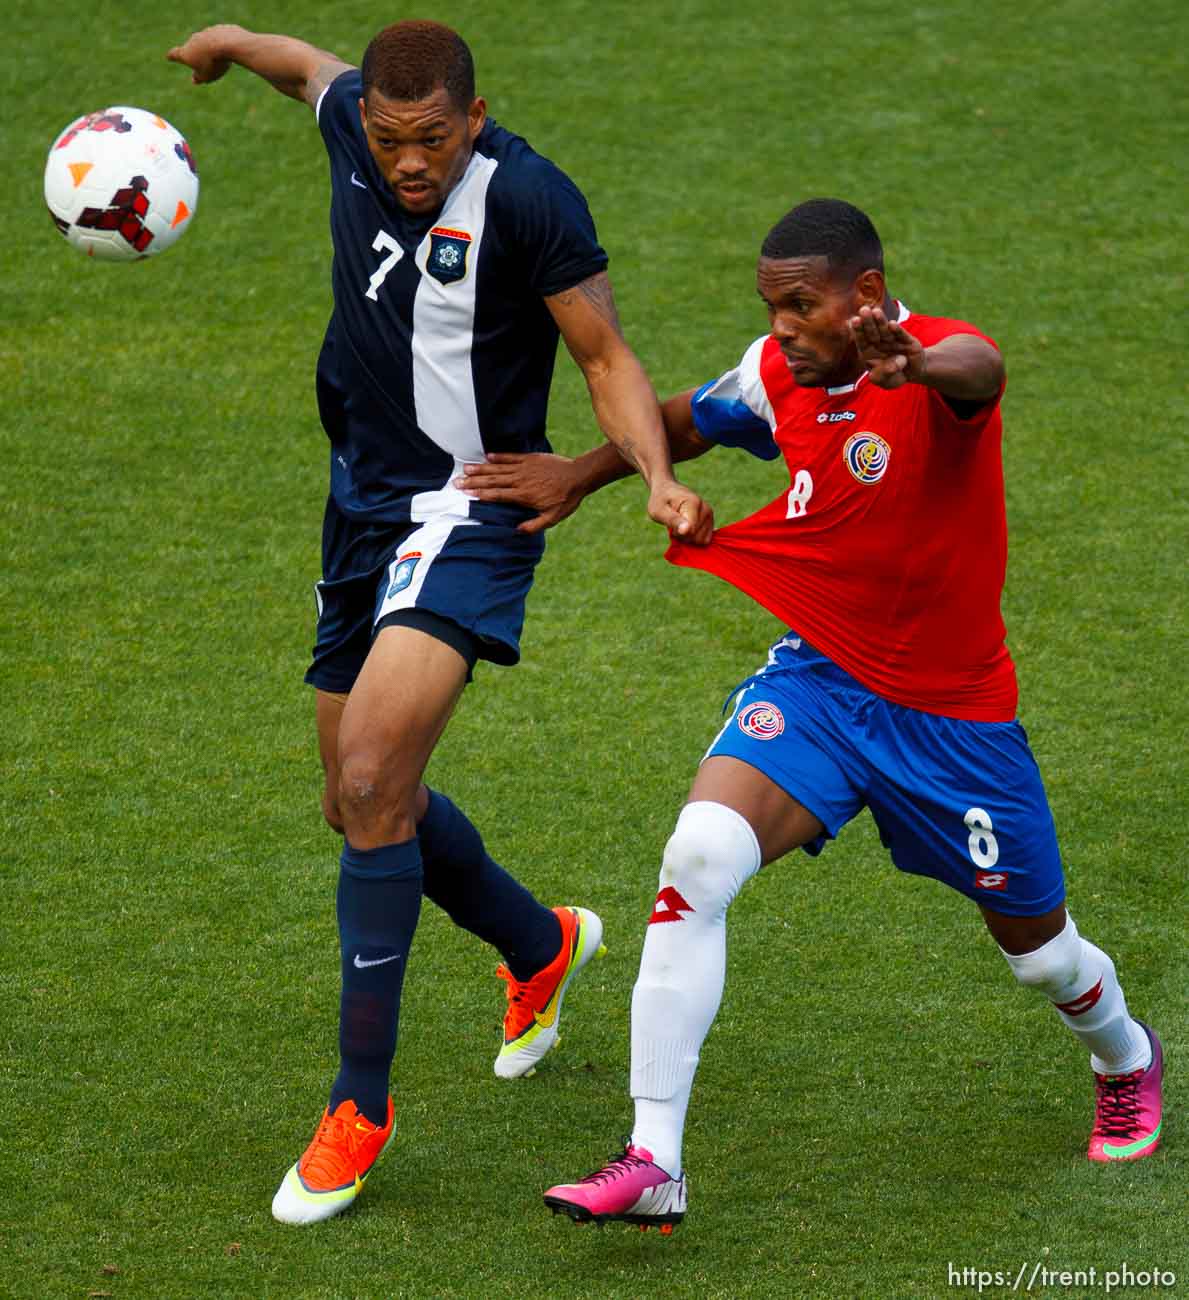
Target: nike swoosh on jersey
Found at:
361, 963
356, 181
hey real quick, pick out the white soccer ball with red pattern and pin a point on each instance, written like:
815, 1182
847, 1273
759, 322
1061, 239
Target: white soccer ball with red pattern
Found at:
121, 184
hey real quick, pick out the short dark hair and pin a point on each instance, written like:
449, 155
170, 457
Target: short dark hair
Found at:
410, 60
828, 228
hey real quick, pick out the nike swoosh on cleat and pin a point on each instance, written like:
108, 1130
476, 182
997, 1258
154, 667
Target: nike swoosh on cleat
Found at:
548, 1014
356, 181
362, 963
1117, 1153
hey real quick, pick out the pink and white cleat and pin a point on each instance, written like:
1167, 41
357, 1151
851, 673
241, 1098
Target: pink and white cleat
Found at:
631, 1189
1127, 1111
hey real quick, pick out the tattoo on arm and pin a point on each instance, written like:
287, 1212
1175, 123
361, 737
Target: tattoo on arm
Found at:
322, 78
627, 449
597, 291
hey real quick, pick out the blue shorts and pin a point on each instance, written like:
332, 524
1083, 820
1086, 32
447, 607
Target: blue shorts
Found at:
475, 573
956, 800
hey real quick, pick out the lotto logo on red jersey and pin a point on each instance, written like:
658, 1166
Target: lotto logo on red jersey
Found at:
990, 880
762, 720
866, 457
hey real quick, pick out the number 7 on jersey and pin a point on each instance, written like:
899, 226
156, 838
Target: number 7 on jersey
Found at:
381, 242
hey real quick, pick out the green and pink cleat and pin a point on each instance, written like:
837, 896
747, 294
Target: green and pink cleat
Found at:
1127, 1110
630, 1189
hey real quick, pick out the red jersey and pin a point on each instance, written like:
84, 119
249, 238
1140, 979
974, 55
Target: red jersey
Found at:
888, 550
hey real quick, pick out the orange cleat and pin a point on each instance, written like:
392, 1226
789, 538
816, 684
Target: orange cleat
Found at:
534, 1005
331, 1173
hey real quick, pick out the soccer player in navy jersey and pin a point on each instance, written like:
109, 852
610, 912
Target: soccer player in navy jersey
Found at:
893, 689
460, 256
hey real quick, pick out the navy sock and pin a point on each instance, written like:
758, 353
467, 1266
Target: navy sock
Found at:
479, 895
379, 900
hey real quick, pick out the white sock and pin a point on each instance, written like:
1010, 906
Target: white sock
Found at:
1080, 980
712, 851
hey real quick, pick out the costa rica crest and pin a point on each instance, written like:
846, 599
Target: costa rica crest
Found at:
866, 457
762, 720
448, 249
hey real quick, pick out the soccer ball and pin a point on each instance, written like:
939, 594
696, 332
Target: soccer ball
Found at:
121, 184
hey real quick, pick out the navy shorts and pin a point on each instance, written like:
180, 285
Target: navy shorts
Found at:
956, 800
474, 572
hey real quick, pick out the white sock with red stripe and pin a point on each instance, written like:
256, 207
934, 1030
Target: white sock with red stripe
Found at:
1080, 980
711, 852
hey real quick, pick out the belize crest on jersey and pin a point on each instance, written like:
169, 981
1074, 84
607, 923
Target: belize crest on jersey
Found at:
402, 573
866, 457
447, 260
762, 720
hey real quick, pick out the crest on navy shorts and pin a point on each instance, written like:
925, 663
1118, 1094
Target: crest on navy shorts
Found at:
447, 260
762, 720
402, 573
866, 457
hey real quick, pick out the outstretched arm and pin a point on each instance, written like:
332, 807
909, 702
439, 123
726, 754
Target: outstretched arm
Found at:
295, 68
965, 369
556, 486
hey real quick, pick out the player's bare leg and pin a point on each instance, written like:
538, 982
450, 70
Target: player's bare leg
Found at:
736, 820
386, 731
1047, 953
543, 949
329, 708
779, 822
393, 718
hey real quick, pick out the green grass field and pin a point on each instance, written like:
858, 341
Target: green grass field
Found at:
878, 1100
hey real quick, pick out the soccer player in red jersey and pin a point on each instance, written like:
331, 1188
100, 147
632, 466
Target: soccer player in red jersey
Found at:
893, 689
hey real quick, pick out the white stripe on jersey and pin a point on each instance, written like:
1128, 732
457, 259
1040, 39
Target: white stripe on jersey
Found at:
446, 500
743, 384
444, 325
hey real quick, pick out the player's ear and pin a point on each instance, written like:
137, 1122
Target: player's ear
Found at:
870, 288
476, 117
363, 114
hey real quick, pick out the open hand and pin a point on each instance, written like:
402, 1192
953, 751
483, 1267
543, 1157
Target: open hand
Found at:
548, 484
892, 355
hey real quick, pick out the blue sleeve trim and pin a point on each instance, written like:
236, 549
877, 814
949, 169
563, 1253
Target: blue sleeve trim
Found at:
730, 422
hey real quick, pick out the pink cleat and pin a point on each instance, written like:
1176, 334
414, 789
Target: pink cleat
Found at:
631, 1189
1128, 1112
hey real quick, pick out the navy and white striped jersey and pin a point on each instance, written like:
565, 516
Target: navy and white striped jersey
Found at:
440, 347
